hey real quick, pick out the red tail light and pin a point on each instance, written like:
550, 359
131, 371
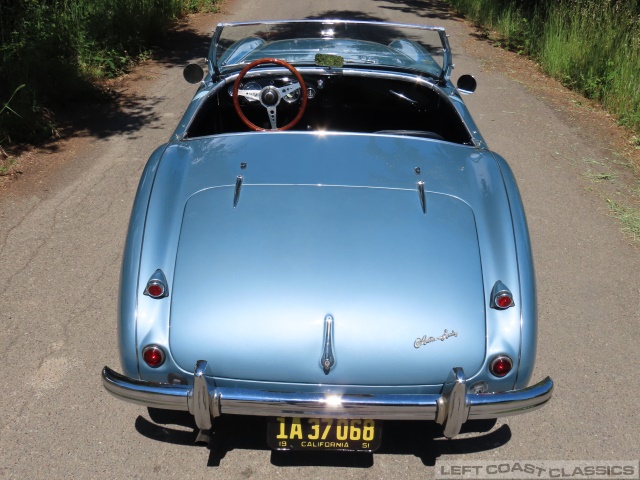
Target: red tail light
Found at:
155, 290
501, 296
504, 300
153, 356
157, 285
501, 366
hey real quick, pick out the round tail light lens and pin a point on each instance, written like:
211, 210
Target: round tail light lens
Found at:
157, 285
501, 366
155, 290
503, 300
153, 356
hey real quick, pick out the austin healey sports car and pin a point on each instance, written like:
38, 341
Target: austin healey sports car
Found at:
327, 242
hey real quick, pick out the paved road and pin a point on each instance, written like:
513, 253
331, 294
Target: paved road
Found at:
60, 249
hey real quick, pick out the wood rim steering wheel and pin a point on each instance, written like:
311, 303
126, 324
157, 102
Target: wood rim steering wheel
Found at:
270, 96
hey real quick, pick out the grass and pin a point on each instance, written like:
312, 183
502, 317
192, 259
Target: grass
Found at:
52, 52
599, 176
592, 46
593, 161
6, 166
628, 216
7, 163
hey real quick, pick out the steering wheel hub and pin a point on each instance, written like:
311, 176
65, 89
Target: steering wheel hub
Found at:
270, 96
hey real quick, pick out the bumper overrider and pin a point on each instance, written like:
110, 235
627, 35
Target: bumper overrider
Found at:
450, 409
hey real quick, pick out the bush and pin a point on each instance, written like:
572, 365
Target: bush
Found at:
57, 49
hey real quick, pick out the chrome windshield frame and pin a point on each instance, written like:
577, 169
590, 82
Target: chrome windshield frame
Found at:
447, 60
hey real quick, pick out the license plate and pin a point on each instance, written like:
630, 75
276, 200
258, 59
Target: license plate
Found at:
285, 433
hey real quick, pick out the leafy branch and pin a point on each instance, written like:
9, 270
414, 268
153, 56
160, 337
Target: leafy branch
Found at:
6, 105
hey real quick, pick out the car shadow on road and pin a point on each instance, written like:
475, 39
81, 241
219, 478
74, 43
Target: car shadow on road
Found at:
422, 439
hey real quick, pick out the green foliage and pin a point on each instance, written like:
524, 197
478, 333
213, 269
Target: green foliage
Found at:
6, 165
592, 46
57, 48
629, 216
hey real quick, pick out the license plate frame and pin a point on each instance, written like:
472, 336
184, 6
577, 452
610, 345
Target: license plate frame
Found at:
328, 434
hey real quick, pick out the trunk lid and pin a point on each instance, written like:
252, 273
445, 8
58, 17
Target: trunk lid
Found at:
253, 285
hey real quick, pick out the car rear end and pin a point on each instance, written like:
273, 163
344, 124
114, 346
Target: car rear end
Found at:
348, 277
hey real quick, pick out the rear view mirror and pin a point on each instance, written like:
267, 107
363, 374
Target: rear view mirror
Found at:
467, 84
193, 73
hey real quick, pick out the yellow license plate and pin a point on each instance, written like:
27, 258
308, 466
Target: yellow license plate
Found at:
285, 433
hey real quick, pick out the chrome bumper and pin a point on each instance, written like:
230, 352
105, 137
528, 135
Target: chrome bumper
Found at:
450, 409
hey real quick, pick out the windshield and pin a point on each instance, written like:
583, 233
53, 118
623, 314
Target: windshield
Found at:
332, 43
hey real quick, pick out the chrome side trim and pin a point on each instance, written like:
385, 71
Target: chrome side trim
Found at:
404, 97
236, 194
452, 408
423, 199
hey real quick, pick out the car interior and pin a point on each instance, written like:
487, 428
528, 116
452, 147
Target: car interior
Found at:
339, 103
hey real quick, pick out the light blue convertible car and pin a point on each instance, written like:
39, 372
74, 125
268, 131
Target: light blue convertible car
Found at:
326, 241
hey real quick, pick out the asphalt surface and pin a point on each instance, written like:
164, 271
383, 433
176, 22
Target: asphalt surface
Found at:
60, 252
